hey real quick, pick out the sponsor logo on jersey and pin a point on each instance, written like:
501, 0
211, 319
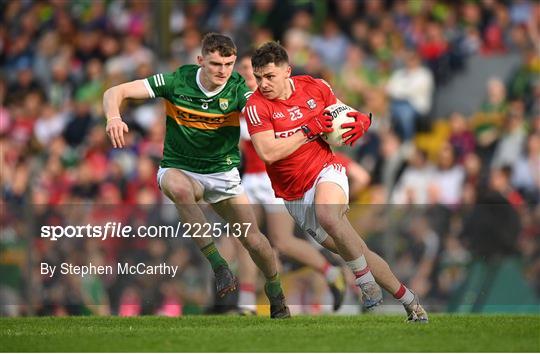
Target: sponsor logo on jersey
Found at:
311, 103
199, 119
278, 115
223, 103
205, 102
286, 133
188, 116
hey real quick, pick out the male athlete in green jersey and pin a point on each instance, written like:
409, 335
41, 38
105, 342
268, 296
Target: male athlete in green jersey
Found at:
200, 155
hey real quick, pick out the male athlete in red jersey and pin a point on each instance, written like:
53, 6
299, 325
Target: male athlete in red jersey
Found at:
279, 224
285, 117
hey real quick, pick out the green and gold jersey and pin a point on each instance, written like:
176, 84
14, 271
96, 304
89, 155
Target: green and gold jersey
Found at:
203, 127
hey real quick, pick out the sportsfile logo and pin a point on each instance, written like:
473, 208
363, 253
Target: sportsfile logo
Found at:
119, 230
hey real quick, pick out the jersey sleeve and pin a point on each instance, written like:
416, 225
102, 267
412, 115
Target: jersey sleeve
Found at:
327, 93
244, 133
342, 159
257, 117
159, 85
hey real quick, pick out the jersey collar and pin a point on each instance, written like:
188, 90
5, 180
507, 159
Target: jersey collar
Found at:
204, 90
293, 90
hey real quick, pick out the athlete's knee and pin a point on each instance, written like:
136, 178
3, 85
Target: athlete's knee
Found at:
180, 193
330, 217
253, 241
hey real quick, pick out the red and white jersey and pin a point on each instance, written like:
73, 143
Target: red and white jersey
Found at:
292, 176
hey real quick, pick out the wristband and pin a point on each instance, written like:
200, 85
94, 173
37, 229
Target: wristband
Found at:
306, 130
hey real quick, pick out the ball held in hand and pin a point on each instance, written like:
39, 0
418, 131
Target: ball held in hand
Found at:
338, 111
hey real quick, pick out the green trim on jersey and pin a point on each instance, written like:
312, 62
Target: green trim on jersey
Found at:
202, 132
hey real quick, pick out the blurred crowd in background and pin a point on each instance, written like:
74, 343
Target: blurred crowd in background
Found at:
436, 173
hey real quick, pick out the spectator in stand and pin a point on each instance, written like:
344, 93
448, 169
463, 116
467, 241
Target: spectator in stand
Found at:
412, 186
526, 170
79, 123
355, 77
424, 250
525, 81
24, 83
499, 181
487, 121
473, 169
392, 156
461, 137
512, 140
448, 178
496, 101
61, 88
331, 45
144, 179
410, 90
345, 12
49, 125
433, 49
296, 41
491, 228
453, 262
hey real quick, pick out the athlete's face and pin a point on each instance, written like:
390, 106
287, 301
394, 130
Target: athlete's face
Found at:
245, 69
273, 80
216, 69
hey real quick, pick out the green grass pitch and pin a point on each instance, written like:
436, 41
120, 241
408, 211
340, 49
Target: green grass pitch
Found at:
457, 333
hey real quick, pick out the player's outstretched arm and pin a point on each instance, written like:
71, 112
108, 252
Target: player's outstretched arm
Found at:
112, 99
271, 149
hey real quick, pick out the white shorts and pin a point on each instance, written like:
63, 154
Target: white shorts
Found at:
259, 191
216, 186
303, 209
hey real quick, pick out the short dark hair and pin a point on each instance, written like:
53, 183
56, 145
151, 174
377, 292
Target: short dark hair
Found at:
270, 52
213, 42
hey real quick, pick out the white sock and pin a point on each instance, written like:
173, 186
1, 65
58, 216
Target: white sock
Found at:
404, 295
331, 273
361, 270
246, 298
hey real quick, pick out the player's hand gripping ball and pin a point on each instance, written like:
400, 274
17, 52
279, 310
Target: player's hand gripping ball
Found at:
349, 125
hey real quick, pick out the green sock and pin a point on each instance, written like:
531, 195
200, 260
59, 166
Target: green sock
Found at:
273, 286
212, 254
